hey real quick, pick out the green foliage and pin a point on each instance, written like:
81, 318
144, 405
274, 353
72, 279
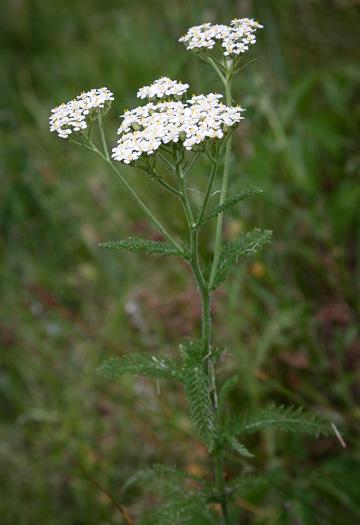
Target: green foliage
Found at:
168, 478
158, 367
244, 480
287, 419
196, 385
230, 201
225, 391
135, 244
312, 124
184, 495
248, 244
181, 509
233, 443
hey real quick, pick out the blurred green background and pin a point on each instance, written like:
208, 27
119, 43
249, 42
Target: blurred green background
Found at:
289, 317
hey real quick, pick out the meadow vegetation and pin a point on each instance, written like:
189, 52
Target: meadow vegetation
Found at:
290, 316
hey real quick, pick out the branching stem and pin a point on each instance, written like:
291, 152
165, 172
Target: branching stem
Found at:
135, 197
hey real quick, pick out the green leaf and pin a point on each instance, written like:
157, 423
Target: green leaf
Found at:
167, 480
247, 244
197, 393
232, 442
225, 392
184, 493
243, 480
287, 419
158, 367
230, 201
141, 476
184, 508
135, 244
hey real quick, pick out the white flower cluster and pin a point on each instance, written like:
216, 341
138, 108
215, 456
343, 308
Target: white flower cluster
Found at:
164, 87
145, 128
70, 117
235, 39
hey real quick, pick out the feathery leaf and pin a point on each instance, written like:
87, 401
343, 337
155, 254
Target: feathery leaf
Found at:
134, 244
243, 480
185, 495
230, 201
140, 365
225, 391
197, 394
231, 252
181, 509
232, 442
170, 478
287, 419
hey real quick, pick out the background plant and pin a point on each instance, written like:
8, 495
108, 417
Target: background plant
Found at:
302, 323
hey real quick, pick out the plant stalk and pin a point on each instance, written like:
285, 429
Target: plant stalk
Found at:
223, 190
137, 199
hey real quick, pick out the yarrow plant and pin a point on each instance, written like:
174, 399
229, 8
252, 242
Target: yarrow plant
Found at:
165, 137
75, 115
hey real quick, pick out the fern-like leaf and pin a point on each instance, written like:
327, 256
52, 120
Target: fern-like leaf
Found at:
143, 477
287, 419
233, 443
184, 493
168, 479
247, 244
158, 367
179, 510
243, 480
230, 201
134, 244
225, 391
197, 394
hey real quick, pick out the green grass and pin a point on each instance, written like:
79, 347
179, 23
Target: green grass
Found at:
290, 318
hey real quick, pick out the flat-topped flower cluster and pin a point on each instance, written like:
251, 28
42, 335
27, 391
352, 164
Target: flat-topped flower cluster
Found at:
145, 128
70, 117
235, 39
162, 88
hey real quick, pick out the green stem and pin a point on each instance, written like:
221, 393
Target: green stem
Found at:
219, 471
219, 460
167, 162
168, 186
223, 191
194, 244
103, 139
191, 165
208, 370
217, 69
185, 200
208, 189
136, 198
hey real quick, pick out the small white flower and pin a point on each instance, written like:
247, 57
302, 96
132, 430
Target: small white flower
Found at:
145, 128
234, 38
73, 114
163, 87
